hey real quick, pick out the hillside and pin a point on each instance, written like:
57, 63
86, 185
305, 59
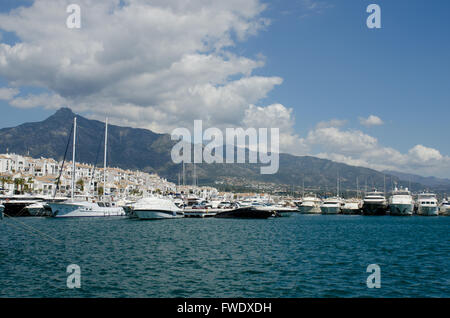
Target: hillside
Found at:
142, 149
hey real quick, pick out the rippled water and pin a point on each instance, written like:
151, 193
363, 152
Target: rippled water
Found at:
299, 256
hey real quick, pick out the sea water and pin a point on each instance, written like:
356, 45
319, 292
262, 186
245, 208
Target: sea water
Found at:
298, 256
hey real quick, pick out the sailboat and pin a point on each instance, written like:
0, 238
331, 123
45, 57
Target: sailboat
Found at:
84, 208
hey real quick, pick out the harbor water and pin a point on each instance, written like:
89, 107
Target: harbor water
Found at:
298, 256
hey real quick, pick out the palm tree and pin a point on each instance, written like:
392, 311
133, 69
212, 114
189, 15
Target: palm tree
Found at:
18, 184
80, 184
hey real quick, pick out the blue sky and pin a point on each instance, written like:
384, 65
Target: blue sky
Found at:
332, 68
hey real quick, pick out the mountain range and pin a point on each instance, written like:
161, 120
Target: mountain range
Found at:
142, 149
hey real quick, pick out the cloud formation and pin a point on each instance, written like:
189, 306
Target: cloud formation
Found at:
372, 120
158, 64
165, 63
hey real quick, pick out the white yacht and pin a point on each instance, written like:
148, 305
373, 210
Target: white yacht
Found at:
401, 202
427, 204
332, 205
155, 208
310, 205
445, 207
84, 208
352, 206
374, 203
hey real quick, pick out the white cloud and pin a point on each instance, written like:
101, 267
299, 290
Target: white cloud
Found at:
157, 65
372, 120
8, 93
332, 123
424, 154
357, 148
277, 116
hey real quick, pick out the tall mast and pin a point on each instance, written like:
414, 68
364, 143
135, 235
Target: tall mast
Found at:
357, 188
73, 156
193, 176
337, 186
104, 161
184, 175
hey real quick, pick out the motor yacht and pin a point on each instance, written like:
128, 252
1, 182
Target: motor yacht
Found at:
445, 207
374, 203
155, 208
310, 205
352, 206
427, 204
401, 202
332, 205
84, 209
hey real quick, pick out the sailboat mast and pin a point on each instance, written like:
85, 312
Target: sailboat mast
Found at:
73, 156
184, 175
104, 160
337, 185
357, 187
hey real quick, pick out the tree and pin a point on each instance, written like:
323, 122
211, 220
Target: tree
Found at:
18, 184
80, 184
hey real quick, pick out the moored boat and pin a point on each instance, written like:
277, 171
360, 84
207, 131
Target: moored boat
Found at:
427, 204
155, 208
352, 207
310, 205
374, 204
401, 202
69, 209
332, 205
445, 207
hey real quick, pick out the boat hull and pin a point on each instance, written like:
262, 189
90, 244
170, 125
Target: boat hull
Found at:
428, 210
401, 209
348, 211
157, 214
285, 213
444, 211
305, 209
245, 213
330, 209
374, 209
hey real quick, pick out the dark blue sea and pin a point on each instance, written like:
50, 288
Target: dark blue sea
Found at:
298, 256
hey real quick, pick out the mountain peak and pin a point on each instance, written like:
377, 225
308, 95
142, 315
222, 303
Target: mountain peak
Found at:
64, 111
62, 114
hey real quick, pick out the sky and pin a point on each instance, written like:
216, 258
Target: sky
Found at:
336, 89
